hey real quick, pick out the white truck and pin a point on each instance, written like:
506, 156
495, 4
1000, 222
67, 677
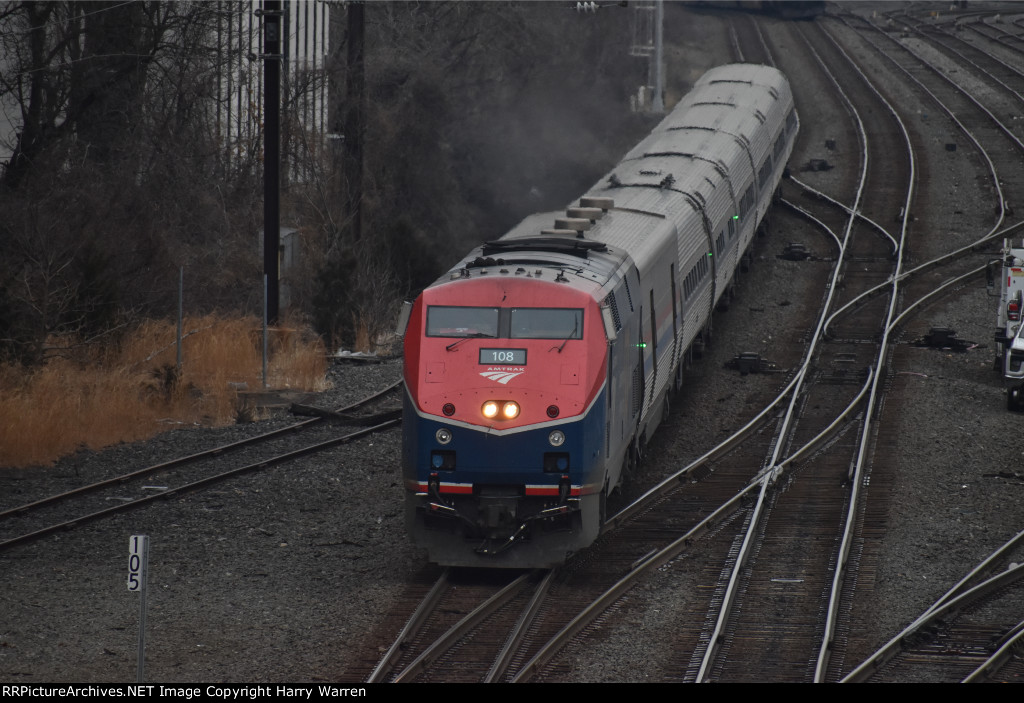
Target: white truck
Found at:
1009, 338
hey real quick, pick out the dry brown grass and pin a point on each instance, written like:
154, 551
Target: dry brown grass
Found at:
131, 391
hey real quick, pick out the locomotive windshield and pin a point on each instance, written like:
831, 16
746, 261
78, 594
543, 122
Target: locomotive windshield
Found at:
444, 321
507, 323
547, 323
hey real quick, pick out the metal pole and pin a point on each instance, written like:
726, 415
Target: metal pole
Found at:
138, 576
142, 612
264, 330
272, 150
287, 159
659, 80
355, 91
181, 293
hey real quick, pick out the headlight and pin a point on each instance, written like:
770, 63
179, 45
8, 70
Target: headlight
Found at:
443, 436
500, 409
556, 438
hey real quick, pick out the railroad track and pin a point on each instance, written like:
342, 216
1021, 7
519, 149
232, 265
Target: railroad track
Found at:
882, 487
967, 635
767, 620
801, 501
627, 549
101, 499
467, 628
814, 492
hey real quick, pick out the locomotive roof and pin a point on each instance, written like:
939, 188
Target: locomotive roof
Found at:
588, 261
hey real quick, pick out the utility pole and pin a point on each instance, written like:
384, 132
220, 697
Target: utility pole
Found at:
659, 79
648, 39
271, 14
354, 110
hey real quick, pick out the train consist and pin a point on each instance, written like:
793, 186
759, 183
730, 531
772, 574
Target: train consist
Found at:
537, 368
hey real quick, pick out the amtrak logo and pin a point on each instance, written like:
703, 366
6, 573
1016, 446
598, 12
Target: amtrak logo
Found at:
502, 376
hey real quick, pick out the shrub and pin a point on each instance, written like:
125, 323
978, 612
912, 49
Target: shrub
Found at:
131, 389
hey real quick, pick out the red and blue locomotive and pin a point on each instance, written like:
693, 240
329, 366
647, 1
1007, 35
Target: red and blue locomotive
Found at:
536, 369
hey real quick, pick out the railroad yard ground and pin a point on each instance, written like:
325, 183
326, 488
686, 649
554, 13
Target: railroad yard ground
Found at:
286, 574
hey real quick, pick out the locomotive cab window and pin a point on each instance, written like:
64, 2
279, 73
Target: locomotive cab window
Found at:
445, 321
547, 323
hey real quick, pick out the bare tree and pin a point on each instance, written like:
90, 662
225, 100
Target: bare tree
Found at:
118, 151
475, 114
